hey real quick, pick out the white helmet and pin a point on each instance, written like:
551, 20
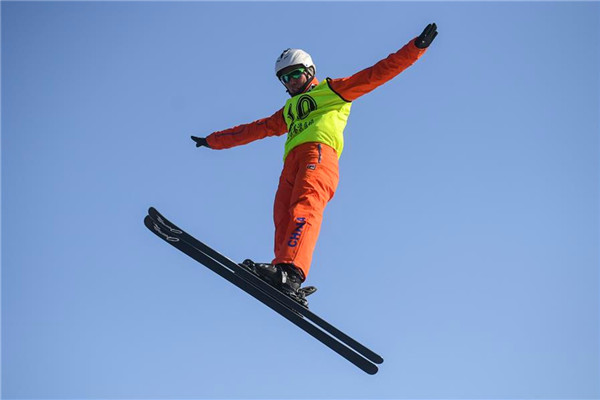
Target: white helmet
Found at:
292, 57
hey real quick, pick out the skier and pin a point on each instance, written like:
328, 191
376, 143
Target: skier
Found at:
314, 118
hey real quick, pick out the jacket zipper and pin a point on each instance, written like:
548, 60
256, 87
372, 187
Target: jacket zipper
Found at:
319, 147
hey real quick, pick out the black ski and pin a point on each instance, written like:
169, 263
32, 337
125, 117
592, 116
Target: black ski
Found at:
254, 286
175, 231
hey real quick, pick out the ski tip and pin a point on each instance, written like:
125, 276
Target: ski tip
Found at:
151, 210
371, 369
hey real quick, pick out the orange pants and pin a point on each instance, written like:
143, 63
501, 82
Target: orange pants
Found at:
307, 183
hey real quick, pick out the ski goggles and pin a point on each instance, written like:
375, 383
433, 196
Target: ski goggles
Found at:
295, 74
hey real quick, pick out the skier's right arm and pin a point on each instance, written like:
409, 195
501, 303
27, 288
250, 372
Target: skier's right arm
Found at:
242, 134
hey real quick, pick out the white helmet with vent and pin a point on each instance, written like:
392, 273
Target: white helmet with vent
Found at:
294, 57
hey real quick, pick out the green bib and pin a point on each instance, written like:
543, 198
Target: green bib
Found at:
319, 115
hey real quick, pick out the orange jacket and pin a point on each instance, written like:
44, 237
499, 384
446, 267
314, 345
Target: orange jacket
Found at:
350, 89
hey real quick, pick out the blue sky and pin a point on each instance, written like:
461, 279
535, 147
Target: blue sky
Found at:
462, 243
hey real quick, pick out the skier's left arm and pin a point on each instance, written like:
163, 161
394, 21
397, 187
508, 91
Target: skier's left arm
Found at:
368, 79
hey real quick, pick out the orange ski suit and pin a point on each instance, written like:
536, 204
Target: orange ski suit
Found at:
310, 172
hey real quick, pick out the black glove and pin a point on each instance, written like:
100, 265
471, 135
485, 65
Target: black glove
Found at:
200, 141
427, 36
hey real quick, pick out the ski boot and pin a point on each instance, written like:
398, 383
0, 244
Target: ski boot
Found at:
284, 277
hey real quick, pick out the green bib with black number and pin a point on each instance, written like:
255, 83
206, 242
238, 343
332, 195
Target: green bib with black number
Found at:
319, 115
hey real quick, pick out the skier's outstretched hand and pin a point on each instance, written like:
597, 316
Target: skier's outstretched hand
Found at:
427, 36
200, 141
